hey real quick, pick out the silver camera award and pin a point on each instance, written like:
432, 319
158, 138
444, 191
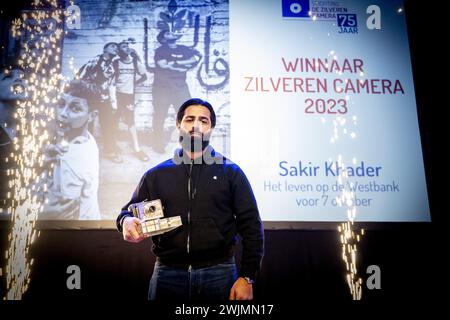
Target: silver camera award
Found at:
151, 215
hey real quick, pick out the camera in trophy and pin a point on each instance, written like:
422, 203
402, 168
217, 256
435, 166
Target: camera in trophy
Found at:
151, 215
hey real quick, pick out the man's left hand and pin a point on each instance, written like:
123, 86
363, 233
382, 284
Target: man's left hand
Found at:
241, 290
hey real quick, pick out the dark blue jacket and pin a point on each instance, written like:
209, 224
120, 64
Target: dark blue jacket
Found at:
220, 206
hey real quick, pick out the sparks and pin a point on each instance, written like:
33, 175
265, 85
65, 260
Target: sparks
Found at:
349, 234
40, 32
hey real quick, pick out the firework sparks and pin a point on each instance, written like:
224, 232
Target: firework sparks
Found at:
350, 235
349, 239
40, 32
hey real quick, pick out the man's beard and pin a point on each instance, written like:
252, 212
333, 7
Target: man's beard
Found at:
193, 143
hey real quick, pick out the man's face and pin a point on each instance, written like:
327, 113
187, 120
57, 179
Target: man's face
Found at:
12, 85
195, 127
112, 49
72, 113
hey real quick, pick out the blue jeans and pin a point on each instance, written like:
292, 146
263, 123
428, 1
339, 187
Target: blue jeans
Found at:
210, 283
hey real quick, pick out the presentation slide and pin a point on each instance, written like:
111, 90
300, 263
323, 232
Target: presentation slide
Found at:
323, 110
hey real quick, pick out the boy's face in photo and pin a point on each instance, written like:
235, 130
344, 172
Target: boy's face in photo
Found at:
73, 113
125, 48
112, 49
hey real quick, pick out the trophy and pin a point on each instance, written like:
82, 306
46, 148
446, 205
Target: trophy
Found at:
151, 215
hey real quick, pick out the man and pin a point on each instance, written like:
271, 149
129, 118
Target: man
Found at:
99, 74
172, 61
215, 201
127, 67
73, 188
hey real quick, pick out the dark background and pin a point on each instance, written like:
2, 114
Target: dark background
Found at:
298, 264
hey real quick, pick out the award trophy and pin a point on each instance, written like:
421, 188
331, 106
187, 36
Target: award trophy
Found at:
151, 215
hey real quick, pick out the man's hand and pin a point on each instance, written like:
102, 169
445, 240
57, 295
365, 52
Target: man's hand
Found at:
132, 230
241, 290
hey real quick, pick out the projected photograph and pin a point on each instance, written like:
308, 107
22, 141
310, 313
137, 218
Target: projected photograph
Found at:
135, 63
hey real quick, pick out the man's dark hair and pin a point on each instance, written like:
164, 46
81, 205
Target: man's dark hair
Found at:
81, 89
195, 102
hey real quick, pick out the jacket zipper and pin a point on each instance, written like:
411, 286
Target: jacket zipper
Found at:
189, 210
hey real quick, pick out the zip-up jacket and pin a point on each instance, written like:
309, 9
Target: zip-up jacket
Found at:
215, 202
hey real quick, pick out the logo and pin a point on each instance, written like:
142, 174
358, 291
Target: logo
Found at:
295, 8
347, 23
335, 12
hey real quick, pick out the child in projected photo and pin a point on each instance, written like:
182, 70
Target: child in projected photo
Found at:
73, 187
129, 73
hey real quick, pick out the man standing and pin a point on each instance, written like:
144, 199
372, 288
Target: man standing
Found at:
215, 201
